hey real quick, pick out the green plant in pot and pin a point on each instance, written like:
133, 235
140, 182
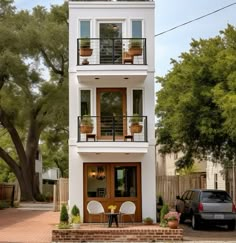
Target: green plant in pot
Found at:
85, 49
135, 126
148, 221
135, 47
75, 217
75, 221
86, 124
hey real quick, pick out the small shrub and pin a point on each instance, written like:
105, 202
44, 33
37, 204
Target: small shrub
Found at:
64, 217
75, 211
164, 211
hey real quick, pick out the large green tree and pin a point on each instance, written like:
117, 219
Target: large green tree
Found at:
196, 107
33, 85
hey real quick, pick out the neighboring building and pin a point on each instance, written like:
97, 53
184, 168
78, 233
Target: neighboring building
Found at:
111, 88
166, 164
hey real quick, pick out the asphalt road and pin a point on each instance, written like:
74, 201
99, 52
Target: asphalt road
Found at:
208, 233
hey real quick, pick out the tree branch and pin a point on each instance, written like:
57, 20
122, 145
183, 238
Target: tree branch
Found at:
10, 161
48, 61
14, 136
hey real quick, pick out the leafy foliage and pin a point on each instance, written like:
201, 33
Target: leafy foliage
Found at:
64, 217
75, 211
164, 211
196, 106
31, 44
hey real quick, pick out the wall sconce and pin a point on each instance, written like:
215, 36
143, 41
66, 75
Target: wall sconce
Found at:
92, 174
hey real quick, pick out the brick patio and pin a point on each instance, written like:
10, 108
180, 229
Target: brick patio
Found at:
127, 233
27, 226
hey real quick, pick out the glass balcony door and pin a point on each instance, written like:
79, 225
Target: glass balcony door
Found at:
110, 43
111, 107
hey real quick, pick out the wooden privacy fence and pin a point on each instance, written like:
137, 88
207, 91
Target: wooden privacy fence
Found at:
9, 192
61, 193
171, 186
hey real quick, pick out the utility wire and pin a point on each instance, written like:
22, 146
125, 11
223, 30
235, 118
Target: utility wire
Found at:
203, 16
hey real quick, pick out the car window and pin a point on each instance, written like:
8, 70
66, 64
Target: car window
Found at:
195, 196
215, 196
184, 195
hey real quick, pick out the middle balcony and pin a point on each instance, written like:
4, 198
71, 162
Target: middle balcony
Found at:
112, 129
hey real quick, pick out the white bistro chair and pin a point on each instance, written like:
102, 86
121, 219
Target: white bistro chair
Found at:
127, 208
96, 208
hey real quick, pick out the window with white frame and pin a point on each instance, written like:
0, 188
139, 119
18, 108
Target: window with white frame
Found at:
136, 28
84, 28
138, 102
85, 102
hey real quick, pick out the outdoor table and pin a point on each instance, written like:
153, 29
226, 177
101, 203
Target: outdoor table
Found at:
112, 217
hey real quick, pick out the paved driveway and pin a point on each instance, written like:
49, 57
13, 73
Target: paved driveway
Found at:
27, 226
208, 233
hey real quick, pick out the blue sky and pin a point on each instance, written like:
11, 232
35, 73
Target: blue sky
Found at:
170, 13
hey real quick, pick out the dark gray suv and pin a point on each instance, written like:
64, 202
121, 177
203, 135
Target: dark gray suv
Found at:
207, 206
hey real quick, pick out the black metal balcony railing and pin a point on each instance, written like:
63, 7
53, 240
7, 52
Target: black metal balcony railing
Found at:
101, 51
112, 128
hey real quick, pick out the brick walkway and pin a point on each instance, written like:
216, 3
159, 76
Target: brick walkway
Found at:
27, 226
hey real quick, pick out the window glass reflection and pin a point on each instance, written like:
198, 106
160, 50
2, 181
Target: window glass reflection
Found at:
125, 181
96, 181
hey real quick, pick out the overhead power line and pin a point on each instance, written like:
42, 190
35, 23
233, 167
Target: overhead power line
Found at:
203, 16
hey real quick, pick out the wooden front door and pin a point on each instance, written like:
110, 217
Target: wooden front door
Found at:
112, 184
111, 109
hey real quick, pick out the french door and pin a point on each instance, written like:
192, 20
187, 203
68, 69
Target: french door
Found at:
112, 184
110, 43
111, 111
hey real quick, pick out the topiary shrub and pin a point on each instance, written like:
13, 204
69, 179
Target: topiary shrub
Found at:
75, 211
64, 217
164, 211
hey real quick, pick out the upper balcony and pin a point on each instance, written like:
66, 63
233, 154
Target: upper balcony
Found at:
126, 56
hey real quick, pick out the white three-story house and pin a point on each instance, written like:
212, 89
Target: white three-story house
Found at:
111, 105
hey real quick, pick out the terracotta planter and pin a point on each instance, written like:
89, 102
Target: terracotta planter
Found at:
85, 52
135, 51
86, 129
148, 222
173, 224
136, 128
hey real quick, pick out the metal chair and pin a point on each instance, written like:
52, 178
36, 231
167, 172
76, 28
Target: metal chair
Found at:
127, 208
96, 208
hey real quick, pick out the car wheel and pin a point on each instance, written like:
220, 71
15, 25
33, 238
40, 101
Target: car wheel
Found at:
195, 222
182, 218
231, 226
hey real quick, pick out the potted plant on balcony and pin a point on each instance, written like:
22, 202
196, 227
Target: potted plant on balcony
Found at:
135, 126
85, 49
86, 124
135, 47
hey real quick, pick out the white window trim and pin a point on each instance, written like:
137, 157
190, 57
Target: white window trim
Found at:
79, 101
132, 98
